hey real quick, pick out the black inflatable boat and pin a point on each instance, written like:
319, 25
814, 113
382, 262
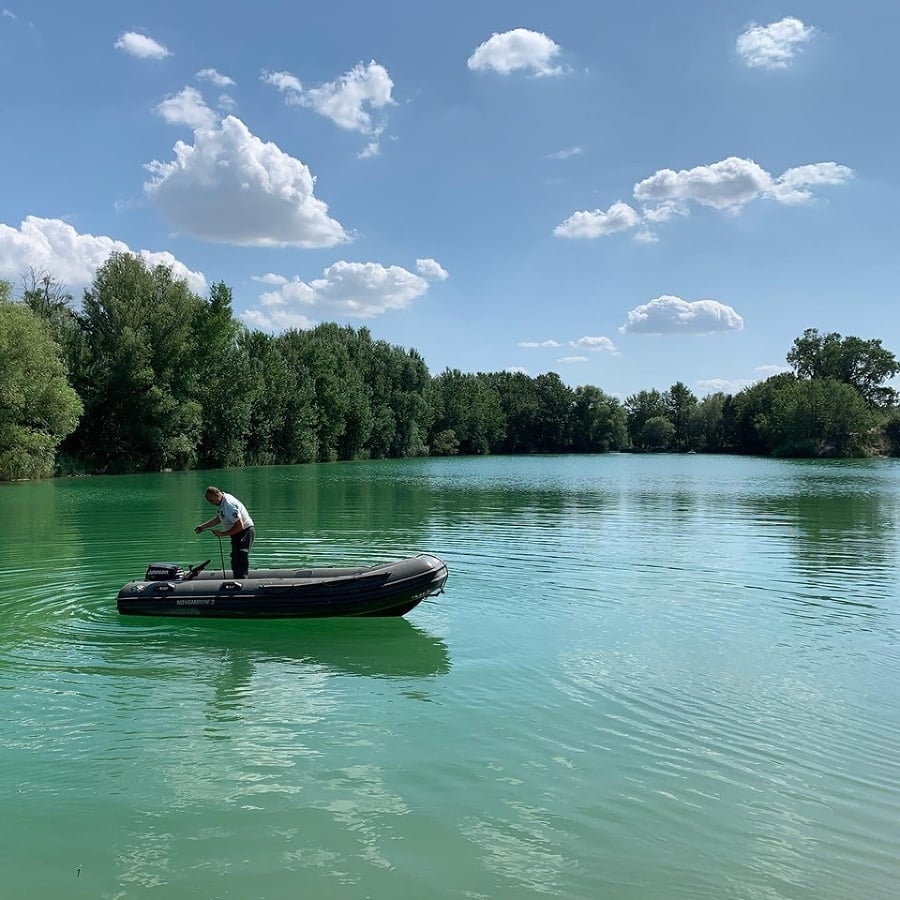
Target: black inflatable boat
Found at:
386, 589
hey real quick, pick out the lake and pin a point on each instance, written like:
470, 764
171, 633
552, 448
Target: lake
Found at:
649, 677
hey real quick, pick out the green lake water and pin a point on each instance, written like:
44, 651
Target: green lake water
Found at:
650, 677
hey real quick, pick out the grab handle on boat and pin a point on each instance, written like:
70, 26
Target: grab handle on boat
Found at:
165, 587
231, 586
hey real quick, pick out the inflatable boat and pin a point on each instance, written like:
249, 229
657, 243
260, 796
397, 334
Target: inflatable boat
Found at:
385, 589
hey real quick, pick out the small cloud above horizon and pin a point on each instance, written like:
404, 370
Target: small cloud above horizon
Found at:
141, 46
672, 315
773, 46
515, 51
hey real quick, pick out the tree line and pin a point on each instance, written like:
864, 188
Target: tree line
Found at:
147, 375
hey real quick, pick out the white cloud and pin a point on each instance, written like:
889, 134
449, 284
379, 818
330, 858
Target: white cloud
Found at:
566, 154
348, 101
773, 46
346, 289
141, 46
532, 344
270, 278
590, 224
276, 320
226, 103
776, 369
730, 184
672, 315
722, 385
572, 359
792, 186
514, 50
8, 14
595, 344
73, 258
215, 78
664, 212
231, 187
373, 148
723, 185
516, 370
727, 185
187, 108
284, 82
343, 100
430, 268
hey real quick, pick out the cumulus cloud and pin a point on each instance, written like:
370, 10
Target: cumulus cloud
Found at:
732, 183
73, 258
141, 46
346, 289
672, 315
532, 344
516, 50
590, 224
286, 83
187, 107
270, 278
215, 78
349, 101
231, 187
773, 46
572, 359
727, 185
595, 344
430, 268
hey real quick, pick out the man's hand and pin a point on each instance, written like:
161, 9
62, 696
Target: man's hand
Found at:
198, 529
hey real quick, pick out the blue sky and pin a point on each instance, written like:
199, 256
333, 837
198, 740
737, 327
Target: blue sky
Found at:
626, 194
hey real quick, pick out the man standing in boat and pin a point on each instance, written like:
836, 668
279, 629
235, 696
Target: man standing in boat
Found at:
235, 523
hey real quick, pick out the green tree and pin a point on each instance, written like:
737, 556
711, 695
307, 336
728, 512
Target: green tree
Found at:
48, 299
520, 403
599, 421
658, 433
748, 417
553, 420
680, 403
469, 406
707, 424
640, 408
138, 394
224, 387
819, 417
863, 364
38, 406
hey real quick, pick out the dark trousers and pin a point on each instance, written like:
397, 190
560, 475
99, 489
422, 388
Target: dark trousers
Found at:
240, 552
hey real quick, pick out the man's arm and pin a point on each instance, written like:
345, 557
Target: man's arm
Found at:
208, 524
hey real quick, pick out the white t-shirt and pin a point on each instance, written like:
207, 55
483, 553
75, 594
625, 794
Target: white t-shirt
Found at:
229, 509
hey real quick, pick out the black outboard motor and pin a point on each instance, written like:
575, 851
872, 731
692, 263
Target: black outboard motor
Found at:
163, 572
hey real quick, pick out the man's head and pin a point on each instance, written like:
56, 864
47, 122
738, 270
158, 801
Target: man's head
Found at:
213, 495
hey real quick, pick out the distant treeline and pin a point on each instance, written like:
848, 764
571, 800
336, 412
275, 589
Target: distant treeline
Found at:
146, 375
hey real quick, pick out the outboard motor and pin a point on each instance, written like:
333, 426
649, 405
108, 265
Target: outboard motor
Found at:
163, 572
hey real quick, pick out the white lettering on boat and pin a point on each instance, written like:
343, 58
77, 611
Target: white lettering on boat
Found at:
195, 601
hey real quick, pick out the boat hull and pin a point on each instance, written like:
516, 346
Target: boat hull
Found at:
386, 589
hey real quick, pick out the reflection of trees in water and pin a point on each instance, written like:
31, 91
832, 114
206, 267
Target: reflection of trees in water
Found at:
849, 532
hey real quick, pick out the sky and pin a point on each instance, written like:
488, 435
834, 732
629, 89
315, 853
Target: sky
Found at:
628, 195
